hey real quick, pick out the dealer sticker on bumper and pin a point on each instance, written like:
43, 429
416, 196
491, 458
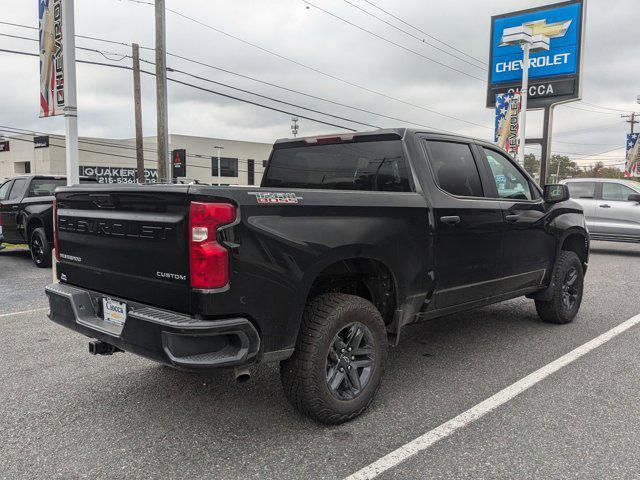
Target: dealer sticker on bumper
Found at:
114, 312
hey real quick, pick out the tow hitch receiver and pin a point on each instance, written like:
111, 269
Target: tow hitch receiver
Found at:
97, 347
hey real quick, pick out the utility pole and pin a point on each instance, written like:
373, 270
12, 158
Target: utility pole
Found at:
632, 120
138, 107
70, 94
294, 126
164, 170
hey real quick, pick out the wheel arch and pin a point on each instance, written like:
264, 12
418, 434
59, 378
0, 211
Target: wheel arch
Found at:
32, 224
577, 241
344, 269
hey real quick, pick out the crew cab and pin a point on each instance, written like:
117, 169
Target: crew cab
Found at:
26, 213
348, 239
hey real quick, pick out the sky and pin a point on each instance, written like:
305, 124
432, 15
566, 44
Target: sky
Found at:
300, 47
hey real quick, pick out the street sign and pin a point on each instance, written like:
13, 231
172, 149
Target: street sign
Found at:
41, 141
554, 74
179, 163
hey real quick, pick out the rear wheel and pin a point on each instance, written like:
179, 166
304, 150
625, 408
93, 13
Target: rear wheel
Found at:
40, 248
567, 295
339, 358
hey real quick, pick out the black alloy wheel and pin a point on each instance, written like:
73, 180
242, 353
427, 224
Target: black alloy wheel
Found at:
350, 361
570, 289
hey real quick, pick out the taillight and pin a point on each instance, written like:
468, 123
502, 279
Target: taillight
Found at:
209, 260
55, 230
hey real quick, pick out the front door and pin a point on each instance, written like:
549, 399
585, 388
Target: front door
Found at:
615, 214
468, 227
529, 247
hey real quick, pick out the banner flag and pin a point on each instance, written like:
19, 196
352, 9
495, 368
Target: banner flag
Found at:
507, 122
633, 154
52, 101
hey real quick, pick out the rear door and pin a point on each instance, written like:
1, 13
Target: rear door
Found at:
529, 246
468, 226
585, 194
130, 242
5, 188
10, 211
615, 214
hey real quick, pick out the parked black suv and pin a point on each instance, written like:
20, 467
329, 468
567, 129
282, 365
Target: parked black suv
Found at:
26, 213
348, 239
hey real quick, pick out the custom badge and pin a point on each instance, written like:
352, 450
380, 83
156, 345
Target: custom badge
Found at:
275, 197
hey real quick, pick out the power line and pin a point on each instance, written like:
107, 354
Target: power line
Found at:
422, 40
203, 89
313, 69
425, 33
87, 37
355, 25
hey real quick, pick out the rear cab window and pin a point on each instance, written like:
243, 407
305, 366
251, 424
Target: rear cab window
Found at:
44, 187
376, 166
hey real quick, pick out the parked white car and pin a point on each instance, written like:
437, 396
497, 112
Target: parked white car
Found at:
611, 207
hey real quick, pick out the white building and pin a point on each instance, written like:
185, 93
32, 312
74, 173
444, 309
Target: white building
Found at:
114, 160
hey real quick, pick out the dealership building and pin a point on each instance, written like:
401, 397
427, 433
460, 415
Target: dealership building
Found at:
114, 160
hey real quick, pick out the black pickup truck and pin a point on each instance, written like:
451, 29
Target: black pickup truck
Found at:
26, 213
348, 239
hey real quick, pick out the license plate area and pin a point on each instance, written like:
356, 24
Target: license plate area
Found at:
114, 312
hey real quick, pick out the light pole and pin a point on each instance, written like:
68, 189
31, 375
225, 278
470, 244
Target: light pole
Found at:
524, 37
219, 172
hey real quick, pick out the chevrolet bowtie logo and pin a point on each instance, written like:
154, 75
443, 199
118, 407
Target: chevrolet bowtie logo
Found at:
540, 27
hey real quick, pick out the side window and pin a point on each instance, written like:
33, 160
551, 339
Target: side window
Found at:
4, 190
582, 189
616, 192
455, 169
509, 181
18, 187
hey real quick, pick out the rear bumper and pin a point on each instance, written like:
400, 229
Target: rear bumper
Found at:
168, 337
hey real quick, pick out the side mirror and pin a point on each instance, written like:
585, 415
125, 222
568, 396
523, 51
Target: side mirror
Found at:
555, 193
634, 197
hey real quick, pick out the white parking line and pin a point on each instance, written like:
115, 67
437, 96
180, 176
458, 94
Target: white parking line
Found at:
24, 311
474, 413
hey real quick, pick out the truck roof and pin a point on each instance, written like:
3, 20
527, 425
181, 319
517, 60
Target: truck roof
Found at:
382, 134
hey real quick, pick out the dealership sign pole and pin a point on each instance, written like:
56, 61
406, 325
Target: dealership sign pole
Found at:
58, 73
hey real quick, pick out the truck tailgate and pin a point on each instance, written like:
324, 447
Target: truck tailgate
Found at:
127, 241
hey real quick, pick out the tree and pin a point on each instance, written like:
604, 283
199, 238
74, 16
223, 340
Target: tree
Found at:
561, 167
531, 165
600, 171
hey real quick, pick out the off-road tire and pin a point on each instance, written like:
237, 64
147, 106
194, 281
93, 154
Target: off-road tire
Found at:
304, 374
555, 310
40, 248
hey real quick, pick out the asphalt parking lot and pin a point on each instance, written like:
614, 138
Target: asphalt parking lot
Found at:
66, 414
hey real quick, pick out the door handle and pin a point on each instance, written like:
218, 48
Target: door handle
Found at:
450, 220
512, 218
605, 206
